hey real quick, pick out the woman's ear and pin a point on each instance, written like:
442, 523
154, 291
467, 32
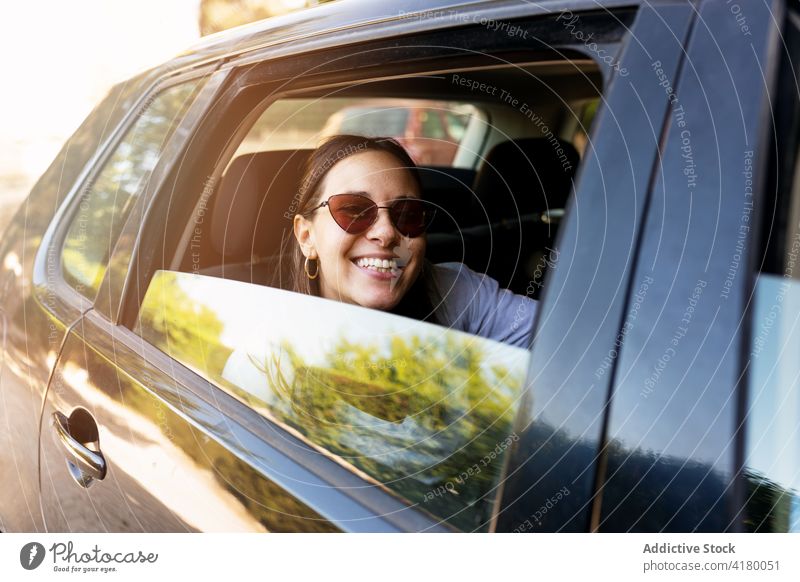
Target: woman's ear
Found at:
304, 233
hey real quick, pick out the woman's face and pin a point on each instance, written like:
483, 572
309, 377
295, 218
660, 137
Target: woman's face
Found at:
345, 273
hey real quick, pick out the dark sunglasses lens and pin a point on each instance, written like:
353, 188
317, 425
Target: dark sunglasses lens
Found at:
411, 217
353, 213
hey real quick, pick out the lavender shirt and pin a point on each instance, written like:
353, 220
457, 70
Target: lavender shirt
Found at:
475, 303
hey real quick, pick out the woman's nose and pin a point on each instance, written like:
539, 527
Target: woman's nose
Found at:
383, 229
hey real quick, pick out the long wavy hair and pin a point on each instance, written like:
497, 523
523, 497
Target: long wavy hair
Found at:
423, 295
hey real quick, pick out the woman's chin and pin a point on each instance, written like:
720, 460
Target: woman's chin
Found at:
382, 299
380, 303
374, 289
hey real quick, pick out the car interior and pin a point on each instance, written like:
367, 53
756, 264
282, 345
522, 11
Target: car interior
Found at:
498, 203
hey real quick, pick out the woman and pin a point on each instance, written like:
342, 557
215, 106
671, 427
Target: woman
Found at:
359, 237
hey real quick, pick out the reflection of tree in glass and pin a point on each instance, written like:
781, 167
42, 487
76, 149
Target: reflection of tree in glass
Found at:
109, 198
415, 414
429, 416
185, 329
769, 506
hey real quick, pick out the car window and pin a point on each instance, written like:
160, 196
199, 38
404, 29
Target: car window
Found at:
432, 125
373, 121
581, 125
490, 168
456, 124
110, 194
772, 443
416, 123
773, 482
425, 411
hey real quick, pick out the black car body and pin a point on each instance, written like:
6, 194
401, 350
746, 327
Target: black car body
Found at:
661, 391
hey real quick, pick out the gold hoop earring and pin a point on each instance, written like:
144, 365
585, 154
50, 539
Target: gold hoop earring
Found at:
309, 275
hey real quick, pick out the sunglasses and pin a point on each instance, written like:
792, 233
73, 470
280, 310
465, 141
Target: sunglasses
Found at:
355, 213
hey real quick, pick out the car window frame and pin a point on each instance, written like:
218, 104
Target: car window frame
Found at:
112, 291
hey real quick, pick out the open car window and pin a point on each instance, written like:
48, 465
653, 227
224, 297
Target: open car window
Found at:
513, 139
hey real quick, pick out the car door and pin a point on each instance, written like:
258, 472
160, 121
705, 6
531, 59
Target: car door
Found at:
625, 153
138, 436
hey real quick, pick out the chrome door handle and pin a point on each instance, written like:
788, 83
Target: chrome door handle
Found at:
85, 465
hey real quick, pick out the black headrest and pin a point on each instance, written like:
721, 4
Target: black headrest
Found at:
534, 173
255, 202
450, 191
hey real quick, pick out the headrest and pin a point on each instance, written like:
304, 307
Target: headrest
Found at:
253, 201
450, 191
536, 173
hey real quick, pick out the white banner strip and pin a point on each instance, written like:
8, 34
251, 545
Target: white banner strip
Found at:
388, 558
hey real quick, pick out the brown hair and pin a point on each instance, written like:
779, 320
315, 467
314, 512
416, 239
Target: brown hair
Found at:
418, 301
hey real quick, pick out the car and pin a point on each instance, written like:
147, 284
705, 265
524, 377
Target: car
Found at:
631, 166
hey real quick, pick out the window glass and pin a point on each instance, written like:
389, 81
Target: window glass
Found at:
456, 124
772, 448
302, 123
371, 121
108, 198
432, 125
424, 410
773, 407
580, 138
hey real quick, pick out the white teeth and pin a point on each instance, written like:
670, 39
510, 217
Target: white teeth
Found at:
377, 264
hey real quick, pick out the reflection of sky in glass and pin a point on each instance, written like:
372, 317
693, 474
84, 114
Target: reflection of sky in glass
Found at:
253, 315
773, 436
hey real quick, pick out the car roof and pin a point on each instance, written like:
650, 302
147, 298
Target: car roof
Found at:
339, 18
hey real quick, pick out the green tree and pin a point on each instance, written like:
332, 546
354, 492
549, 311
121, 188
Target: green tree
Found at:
218, 15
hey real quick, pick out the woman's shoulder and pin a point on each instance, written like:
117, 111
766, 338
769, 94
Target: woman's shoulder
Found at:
475, 303
452, 273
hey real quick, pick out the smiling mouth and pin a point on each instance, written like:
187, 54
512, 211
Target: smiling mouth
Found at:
387, 266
